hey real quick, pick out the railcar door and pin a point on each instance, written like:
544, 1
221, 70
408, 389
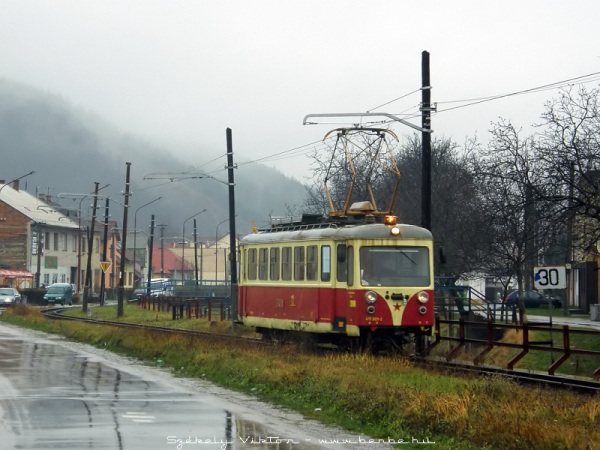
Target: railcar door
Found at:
343, 261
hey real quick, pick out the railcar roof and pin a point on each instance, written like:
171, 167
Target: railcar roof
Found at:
366, 231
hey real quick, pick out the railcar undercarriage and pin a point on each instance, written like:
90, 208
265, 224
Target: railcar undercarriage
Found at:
382, 341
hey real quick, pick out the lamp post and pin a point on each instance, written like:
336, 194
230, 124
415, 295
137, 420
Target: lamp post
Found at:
217, 249
17, 179
79, 246
135, 236
183, 243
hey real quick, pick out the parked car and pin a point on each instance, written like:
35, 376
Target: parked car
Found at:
59, 293
532, 299
137, 294
9, 297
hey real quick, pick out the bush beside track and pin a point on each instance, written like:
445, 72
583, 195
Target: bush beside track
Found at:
382, 397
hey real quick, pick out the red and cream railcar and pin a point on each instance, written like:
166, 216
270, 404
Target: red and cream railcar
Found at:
361, 284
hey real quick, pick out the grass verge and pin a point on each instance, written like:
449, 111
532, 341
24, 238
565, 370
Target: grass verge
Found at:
382, 397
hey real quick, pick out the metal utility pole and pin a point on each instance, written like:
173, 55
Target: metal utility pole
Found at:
232, 242
88, 270
150, 268
195, 252
426, 142
104, 245
162, 249
123, 245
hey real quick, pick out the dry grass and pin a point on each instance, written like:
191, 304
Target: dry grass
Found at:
383, 397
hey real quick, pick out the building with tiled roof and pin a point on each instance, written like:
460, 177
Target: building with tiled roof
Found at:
167, 263
36, 238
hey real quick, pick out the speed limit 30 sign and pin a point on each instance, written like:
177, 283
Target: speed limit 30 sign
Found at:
550, 277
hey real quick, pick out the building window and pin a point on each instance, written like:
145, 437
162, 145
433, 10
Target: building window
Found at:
63, 278
46, 278
47, 240
65, 240
74, 244
56, 241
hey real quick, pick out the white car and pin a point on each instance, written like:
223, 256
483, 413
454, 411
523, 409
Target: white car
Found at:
9, 297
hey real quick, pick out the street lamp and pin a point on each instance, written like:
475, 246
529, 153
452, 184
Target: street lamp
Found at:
75, 195
135, 236
183, 243
17, 179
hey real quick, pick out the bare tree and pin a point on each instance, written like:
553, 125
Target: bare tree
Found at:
518, 224
569, 152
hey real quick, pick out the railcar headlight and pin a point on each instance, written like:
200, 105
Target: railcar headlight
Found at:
394, 231
423, 297
370, 297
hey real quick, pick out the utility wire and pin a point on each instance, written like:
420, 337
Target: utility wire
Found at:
304, 149
581, 79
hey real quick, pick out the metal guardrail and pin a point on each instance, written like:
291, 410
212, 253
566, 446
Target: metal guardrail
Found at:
471, 332
185, 307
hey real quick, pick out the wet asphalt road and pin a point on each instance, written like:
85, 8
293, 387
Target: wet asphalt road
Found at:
63, 395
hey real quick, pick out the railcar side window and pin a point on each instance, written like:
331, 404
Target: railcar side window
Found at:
252, 264
299, 263
286, 263
342, 274
326, 263
312, 263
350, 265
263, 263
274, 263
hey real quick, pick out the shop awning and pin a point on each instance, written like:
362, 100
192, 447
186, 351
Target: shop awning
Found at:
8, 273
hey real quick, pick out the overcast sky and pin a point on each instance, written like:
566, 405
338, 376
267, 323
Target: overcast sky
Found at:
181, 72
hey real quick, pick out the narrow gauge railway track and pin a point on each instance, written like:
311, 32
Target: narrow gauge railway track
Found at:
576, 384
55, 314
579, 385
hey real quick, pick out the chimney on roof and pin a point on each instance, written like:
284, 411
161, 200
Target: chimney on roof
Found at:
15, 185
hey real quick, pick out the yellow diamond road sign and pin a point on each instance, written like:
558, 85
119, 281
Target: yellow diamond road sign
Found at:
105, 265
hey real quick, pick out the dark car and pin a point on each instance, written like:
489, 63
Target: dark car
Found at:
59, 293
532, 299
137, 294
9, 297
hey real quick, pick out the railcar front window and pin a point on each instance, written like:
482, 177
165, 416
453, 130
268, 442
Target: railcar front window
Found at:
394, 266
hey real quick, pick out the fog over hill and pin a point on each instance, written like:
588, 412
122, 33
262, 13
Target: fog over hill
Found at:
69, 149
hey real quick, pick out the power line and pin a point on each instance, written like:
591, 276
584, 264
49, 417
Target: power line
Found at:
581, 79
306, 148
395, 100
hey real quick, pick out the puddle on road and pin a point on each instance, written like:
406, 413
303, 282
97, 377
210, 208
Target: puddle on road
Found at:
96, 396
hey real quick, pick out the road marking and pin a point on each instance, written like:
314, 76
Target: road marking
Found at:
139, 417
